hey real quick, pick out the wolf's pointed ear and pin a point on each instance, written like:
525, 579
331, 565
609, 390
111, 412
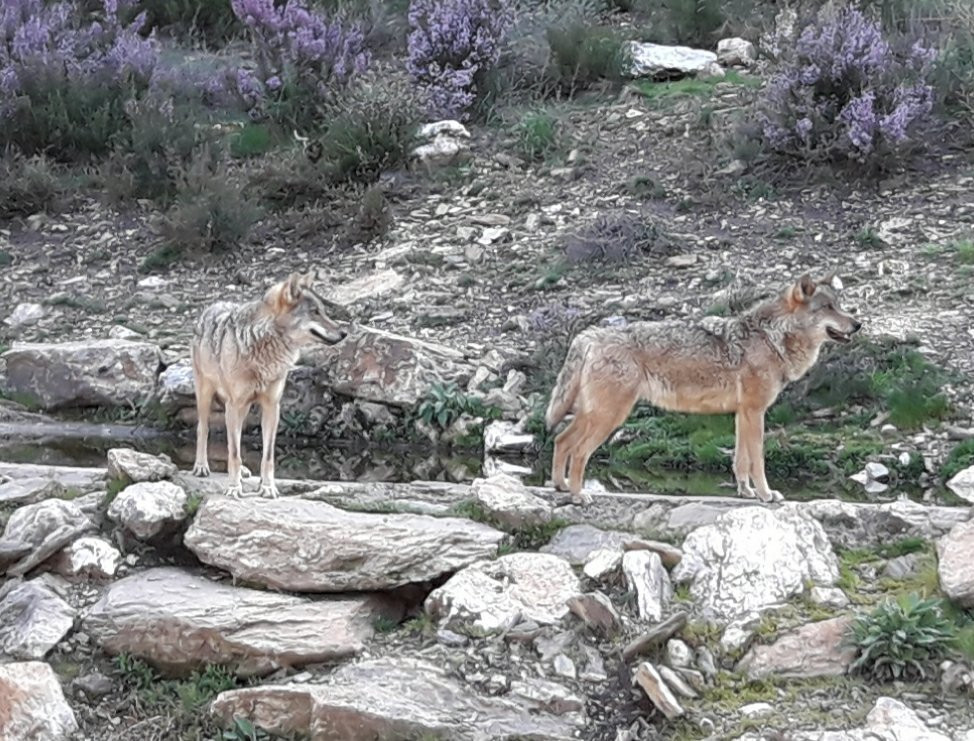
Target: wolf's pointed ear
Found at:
827, 278
293, 288
803, 289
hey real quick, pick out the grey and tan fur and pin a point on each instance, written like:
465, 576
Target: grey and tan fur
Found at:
739, 366
243, 353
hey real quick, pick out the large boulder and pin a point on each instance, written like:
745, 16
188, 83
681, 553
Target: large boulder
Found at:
755, 557
88, 557
36, 532
492, 596
33, 619
179, 621
306, 546
148, 508
84, 373
661, 61
387, 368
389, 699
956, 564
647, 578
855, 525
813, 650
32, 705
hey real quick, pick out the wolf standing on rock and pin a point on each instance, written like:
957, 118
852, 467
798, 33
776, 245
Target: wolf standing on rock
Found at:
243, 353
739, 366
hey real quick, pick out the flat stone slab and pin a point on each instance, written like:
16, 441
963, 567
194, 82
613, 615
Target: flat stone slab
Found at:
306, 546
389, 699
178, 621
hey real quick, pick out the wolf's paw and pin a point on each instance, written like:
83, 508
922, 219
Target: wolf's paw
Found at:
202, 470
771, 495
245, 473
746, 492
234, 492
582, 498
269, 491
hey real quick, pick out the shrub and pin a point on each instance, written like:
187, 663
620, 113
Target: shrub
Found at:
372, 220
371, 131
27, 185
955, 68
614, 238
160, 141
582, 54
211, 213
213, 20
901, 639
302, 59
845, 93
453, 45
64, 77
537, 135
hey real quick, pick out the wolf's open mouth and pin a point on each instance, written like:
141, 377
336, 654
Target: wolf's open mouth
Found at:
837, 335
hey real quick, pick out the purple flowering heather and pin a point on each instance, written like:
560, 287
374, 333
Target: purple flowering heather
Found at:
844, 92
452, 44
49, 49
301, 56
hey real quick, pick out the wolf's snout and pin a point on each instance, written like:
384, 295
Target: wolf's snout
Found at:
856, 326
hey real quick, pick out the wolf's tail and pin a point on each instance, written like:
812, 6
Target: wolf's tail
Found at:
566, 387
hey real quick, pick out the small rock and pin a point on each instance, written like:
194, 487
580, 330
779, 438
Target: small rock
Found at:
676, 683
131, 465
828, 597
577, 543
30, 490
507, 501
956, 564
658, 60
33, 704
736, 52
148, 508
597, 612
655, 637
24, 315
962, 484
33, 620
646, 576
738, 633
547, 696
603, 563
501, 436
35, 532
492, 234
493, 596
814, 650
705, 662
756, 710
670, 555
449, 638
441, 143
655, 688
94, 685
564, 667
901, 566
678, 654
681, 261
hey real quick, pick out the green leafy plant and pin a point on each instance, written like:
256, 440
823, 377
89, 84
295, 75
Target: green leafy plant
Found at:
243, 730
901, 639
446, 404
537, 135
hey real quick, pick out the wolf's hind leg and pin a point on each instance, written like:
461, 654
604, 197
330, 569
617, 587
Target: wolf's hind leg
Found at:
742, 456
603, 412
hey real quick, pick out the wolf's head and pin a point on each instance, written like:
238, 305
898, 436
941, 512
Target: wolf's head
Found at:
295, 305
814, 307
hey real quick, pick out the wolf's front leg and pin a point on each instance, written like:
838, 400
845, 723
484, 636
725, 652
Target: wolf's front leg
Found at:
756, 442
234, 416
270, 416
742, 458
204, 400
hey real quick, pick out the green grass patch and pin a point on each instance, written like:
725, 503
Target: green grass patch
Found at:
700, 87
253, 140
538, 135
959, 458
